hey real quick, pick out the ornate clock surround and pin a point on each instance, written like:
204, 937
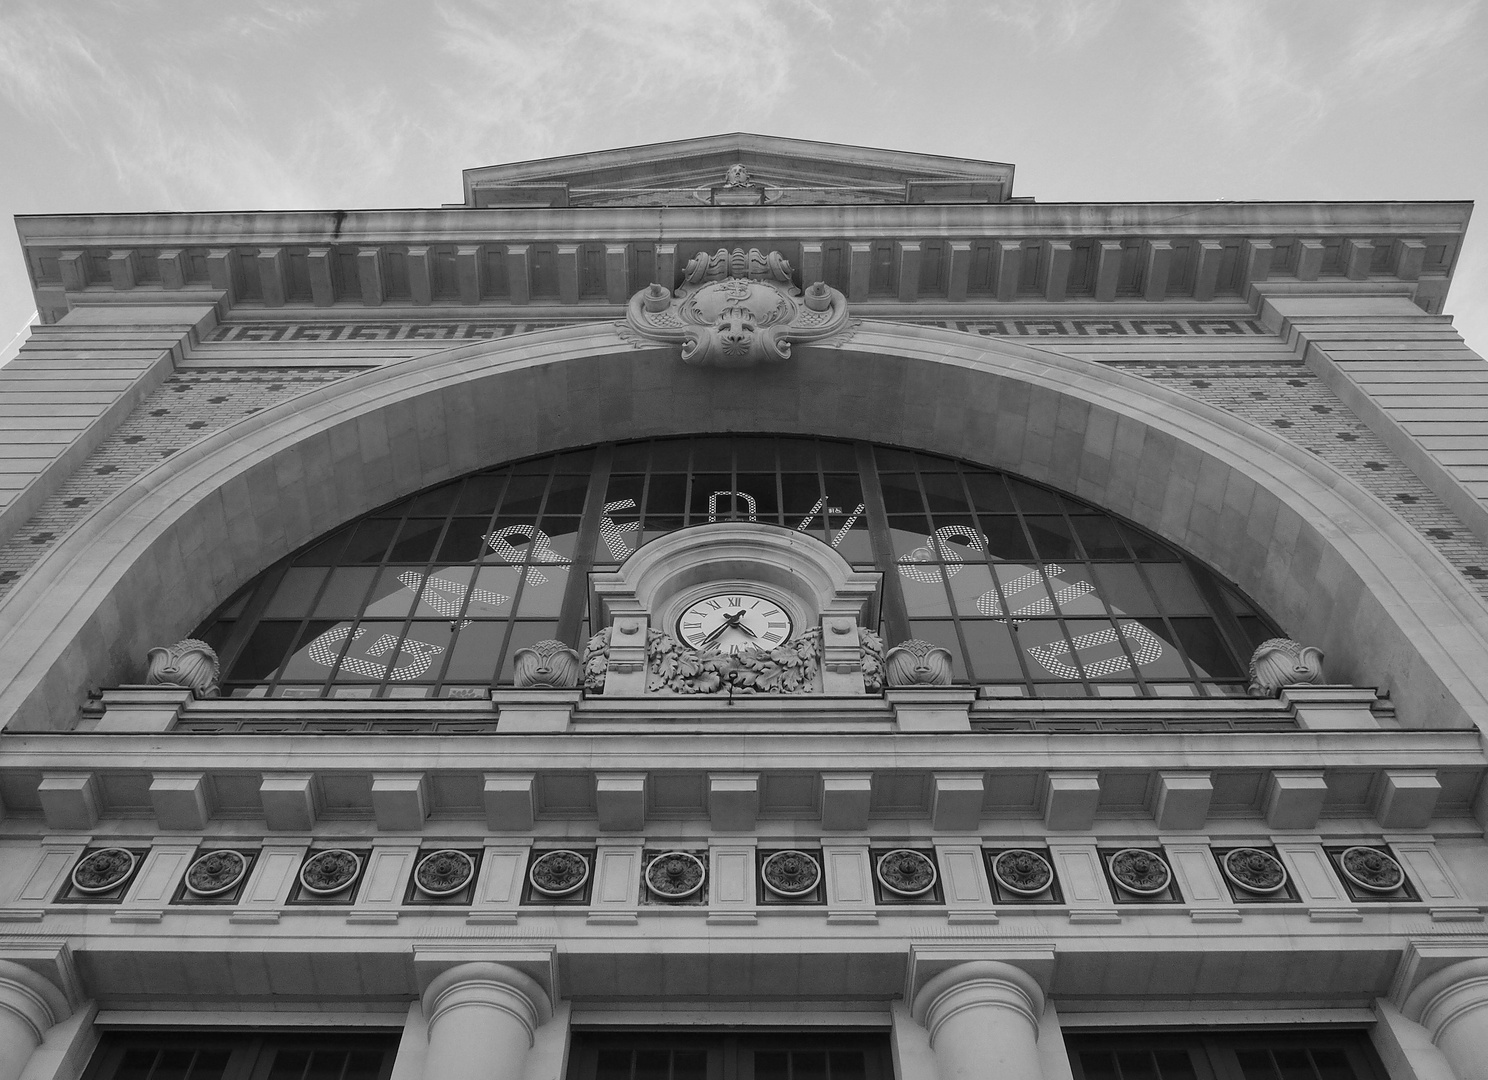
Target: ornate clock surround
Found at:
808, 579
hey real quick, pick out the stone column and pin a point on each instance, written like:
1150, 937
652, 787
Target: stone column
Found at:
29, 1006
1452, 1006
983, 1019
482, 1019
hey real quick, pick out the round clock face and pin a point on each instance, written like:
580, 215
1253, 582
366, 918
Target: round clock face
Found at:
730, 621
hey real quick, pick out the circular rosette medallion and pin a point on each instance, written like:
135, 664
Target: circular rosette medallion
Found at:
1140, 872
790, 873
443, 873
1024, 872
675, 875
906, 873
215, 873
559, 873
328, 872
103, 870
1371, 869
1255, 870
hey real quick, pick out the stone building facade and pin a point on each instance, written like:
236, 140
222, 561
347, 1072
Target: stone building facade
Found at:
744, 608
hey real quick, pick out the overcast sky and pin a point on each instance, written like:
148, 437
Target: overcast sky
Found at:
380, 103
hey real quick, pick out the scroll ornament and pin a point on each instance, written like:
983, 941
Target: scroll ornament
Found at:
549, 665
918, 663
736, 309
1280, 662
870, 647
188, 663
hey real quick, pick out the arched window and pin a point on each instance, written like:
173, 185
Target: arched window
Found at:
1033, 592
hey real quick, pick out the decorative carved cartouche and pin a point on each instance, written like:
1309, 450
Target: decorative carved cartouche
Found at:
1281, 662
918, 663
736, 309
188, 663
790, 668
546, 665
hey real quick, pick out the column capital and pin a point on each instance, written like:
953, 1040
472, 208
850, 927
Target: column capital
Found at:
978, 984
31, 998
1448, 996
488, 985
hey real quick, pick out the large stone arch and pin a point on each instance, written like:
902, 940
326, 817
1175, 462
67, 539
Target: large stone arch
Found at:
1332, 564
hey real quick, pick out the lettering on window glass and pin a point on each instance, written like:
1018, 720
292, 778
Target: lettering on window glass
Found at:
1056, 656
448, 597
748, 501
420, 654
618, 535
911, 565
536, 547
821, 508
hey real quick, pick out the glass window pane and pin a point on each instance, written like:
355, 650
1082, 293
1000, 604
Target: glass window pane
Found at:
1006, 539
481, 494
393, 595
1158, 659
1148, 548
290, 1065
326, 1065
712, 455
1044, 643
1256, 1065
689, 1065
295, 593
901, 493
210, 1064
972, 591
1052, 538
345, 592
994, 655
808, 1065
172, 1065
436, 503
666, 499
612, 1065
1293, 1065
848, 1065
670, 455
543, 592
989, 493
370, 541
464, 540
1137, 1065
761, 488
566, 495
263, 652
1175, 590
837, 456
371, 649
416, 541
771, 1065
944, 493
1101, 537
924, 594
363, 1065
1024, 591
473, 657
802, 496
1098, 1065
1175, 1065
891, 460
1333, 1065
1120, 585
754, 455
1201, 640
326, 552
523, 496
652, 1064
1034, 500
1074, 592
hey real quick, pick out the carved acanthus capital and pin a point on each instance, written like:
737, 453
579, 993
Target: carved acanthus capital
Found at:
736, 309
1280, 662
188, 663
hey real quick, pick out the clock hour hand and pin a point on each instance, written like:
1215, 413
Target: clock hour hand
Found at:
728, 621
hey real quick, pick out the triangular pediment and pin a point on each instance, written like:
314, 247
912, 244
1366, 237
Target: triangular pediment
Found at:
738, 170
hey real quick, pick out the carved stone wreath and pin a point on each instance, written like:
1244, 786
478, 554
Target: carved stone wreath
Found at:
103, 870
787, 669
1140, 872
1371, 869
215, 873
1024, 872
559, 873
675, 875
1254, 870
328, 872
906, 873
791, 873
443, 873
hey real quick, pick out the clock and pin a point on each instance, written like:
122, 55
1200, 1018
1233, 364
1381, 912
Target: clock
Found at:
729, 621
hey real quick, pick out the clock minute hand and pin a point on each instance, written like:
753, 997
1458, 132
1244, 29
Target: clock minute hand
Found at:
728, 621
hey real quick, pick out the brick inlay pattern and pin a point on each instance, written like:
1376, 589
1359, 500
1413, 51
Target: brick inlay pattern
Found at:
188, 406
1290, 400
